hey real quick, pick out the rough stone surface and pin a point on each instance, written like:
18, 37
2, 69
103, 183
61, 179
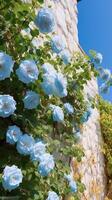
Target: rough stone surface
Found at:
92, 166
66, 19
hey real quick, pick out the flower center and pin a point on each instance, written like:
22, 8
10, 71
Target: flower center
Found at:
5, 106
29, 71
14, 133
1, 67
26, 144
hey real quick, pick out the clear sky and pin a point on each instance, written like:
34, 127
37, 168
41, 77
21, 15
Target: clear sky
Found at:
95, 30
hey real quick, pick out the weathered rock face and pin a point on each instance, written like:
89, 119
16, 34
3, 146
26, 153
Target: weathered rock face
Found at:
92, 166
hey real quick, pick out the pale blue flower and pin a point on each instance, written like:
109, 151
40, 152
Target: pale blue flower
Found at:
7, 105
57, 44
6, 65
54, 84
58, 114
27, 71
31, 100
65, 56
86, 115
68, 177
60, 85
26, 33
98, 58
25, 144
51, 106
69, 108
72, 183
37, 150
46, 164
12, 177
13, 134
48, 84
48, 68
100, 70
104, 88
105, 74
77, 134
45, 20
52, 196
73, 186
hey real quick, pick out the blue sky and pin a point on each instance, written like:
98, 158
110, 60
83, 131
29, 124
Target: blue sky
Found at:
95, 30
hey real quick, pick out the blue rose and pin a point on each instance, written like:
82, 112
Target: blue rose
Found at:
100, 70
73, 186
65, 56
77, 134
27, 71
105, 74
104, 88
48, 68
13, 134
37, 150
98, 58
68, 177
86, 115
57, 44
25, 144
48, 84
54, 84
58, 114
12, 177
69, 108
31, 100
52, 196
72, 183
60, 85
45, 20
46, 164
6, 65
7, 105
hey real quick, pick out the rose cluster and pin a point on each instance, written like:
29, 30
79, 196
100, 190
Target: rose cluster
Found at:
58, 46
36, 149
46, 22
104, 74
57, 112
53, 83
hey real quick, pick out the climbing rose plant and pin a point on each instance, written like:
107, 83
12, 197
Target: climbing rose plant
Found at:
42, 105
103, 73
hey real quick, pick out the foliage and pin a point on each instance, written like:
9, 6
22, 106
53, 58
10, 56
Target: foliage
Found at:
15, 16
106, 129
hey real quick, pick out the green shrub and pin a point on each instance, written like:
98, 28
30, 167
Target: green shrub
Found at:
106, 129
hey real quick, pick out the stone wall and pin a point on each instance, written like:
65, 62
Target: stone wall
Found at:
92, 166
66, 16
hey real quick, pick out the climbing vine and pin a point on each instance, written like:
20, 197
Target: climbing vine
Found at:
42, 105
